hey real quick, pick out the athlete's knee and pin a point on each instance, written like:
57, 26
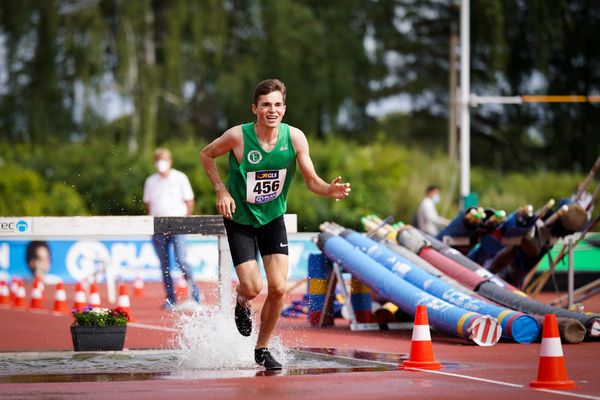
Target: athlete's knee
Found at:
249, 290
277, 291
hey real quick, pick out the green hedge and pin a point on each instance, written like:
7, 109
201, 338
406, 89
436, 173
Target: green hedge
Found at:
23, 192
97, 178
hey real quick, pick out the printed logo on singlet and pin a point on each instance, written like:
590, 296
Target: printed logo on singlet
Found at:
254, 157
264, 186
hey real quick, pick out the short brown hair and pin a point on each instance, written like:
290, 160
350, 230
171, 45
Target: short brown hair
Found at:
162, 151
269, 86
431, 188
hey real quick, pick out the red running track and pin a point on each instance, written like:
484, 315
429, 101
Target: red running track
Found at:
499, 372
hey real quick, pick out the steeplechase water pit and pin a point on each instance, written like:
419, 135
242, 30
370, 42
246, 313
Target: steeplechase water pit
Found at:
69, 366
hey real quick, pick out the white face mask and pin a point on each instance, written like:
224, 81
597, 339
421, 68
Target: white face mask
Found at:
436, 198
162, 166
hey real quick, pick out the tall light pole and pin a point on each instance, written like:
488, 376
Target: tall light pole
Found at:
452, 75
465, 90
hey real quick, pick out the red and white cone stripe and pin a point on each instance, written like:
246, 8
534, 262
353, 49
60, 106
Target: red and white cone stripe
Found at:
39, 284
123, 301
421, 349
14, 287
138, 283
20, 296
551, 347
60, 299
552, 373
4, 293
94, 296
36, 298
60, 295
421, 333
80, 300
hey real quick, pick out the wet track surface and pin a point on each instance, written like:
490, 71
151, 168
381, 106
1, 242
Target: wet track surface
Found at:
36, 362
69, 366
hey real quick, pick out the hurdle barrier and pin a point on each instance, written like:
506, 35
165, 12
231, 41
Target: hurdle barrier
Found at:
98, 226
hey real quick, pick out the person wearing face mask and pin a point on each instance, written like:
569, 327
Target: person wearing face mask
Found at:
168, 193
427, 218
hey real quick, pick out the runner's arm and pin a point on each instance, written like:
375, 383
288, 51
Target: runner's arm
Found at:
218, 147
314, 183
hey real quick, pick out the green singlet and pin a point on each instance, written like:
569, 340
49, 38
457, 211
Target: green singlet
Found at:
259, 184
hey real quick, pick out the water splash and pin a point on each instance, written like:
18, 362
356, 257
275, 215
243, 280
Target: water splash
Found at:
209, 340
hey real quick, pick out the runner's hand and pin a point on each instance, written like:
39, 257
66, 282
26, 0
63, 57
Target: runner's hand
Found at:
225, 203
339, 190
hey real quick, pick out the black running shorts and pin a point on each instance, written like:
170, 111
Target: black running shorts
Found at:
245, 240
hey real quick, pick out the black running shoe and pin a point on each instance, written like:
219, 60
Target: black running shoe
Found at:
243, 319
263, 357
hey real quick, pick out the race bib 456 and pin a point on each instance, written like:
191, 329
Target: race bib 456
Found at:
264, 186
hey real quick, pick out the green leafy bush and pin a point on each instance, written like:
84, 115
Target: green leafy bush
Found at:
387, 178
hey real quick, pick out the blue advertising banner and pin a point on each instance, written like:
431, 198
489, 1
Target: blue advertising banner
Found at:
130, 257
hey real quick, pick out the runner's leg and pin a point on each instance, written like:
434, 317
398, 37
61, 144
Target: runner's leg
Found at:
276, 268
251, 284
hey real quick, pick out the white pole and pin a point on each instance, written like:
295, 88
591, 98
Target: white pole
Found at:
225, 292
465, 92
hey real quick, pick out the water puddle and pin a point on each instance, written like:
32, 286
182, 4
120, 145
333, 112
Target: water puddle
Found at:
207, 346
167, 364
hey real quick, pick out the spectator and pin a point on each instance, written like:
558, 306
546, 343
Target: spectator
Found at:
169, 193
427, 217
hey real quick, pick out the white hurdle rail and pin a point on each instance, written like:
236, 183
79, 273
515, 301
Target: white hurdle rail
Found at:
208, 225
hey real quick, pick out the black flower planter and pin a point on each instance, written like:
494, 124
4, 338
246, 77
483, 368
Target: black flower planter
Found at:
98, 338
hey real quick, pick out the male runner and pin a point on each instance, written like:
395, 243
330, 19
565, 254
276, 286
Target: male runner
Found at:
262, 162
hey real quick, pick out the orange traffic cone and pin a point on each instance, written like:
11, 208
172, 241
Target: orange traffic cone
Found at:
80, 300
20, 296
123, 303
421, 350
60, 299
551, 370
37, 295
94, 296
14, 288
40, 284
4, 293
138, 287
182, 289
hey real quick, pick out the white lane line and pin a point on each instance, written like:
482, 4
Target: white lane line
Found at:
473, 378
149, 326
515, 385
562, 392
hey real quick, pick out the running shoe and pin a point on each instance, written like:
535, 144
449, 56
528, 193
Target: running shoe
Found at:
263, 357
243, 319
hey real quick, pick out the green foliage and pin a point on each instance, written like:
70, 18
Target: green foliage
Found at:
63, 200
22, 191
25, 193
514, 190
387, 178
185, 69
